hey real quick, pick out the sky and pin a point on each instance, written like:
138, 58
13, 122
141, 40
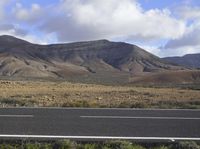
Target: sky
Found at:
162, 27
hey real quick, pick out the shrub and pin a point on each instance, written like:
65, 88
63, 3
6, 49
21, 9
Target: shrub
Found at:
65, 144
6, 146
161, 147
188, 145
32, 146
89, 146
121, 145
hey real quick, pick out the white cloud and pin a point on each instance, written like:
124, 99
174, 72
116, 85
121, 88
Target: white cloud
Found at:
3, 3
38, 40
12, 29
19, 20
180, 51
124, 20
190, 41
188, 12
152, 49
30, 15
46, 39
95, 19
6, 26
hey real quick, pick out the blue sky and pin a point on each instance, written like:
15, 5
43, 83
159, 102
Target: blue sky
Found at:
163, 27
149, 4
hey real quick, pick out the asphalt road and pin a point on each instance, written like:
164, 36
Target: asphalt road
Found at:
69, 123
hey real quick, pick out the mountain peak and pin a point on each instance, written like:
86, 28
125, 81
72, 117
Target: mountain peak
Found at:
102, 40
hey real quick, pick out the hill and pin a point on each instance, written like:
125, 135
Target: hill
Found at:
170, 77
189, 60
99, 60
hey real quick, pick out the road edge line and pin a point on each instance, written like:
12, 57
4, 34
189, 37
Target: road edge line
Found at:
100, 137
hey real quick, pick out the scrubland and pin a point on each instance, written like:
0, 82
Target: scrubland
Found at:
65, 94
67, 144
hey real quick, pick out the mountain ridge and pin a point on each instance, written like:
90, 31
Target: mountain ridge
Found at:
188, 60
101, 59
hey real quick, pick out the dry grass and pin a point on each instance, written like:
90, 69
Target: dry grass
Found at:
64, 94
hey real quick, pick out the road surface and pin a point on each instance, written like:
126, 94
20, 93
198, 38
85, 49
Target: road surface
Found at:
80, 123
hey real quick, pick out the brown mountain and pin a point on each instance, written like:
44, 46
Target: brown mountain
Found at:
169, 77
189, 60
100, 60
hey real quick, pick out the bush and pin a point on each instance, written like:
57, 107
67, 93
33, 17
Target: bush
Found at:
32, 146
161, 147
79, 103
121, 145
188, 145
14, 102
65, 144
89, 146
6, 146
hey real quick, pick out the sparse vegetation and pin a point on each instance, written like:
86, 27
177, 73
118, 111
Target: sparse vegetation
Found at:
66, 144
65, 94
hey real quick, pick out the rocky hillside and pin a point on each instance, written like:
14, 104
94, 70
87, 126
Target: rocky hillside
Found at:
102, 58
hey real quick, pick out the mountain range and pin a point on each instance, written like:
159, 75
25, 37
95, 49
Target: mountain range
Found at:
98, 61
189, 60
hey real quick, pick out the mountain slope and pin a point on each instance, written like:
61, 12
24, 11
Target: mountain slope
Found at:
190, 60
170, 77
102, 59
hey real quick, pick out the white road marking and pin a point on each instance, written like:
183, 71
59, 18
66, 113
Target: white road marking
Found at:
18, 116
99, 137
123, 109
130, 117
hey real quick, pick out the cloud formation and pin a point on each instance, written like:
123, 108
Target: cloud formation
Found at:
111, 19
188, 12
3, 4
30, 15
120, 20
12, 29
6, 26
190, 41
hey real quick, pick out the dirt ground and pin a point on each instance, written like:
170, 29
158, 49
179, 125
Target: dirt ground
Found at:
65, 94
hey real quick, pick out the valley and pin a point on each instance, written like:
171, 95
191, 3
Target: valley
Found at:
97, 73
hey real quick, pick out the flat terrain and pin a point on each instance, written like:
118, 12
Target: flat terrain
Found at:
64, 94
80, 123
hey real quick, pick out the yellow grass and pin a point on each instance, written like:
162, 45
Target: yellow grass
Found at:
36, 93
